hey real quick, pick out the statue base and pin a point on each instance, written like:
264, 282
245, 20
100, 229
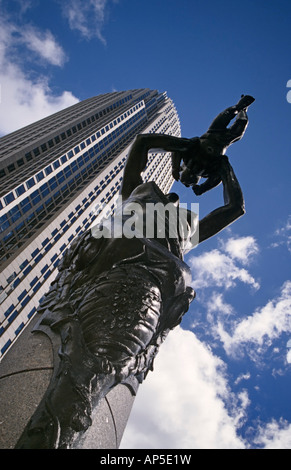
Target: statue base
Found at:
25, 374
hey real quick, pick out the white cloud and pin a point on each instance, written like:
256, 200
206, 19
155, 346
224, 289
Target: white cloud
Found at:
215, 268
224, 268
283, 235
241, 377
24, 99
45, 45
242, 248
275, 435
262, 327
42, 43
288, 353
24, 5
86, 17
216, 304
182, 403
216, 308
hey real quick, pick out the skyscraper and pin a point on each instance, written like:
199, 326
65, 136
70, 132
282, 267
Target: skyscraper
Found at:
56, 177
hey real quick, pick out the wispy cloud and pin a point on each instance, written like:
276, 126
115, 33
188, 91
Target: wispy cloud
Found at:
241, 377
283, 235
44, 45
216, 308
25, 99
262, 327
222, 269
242, 249
88, 17
218, 271
24, 5
275, 435
216, 303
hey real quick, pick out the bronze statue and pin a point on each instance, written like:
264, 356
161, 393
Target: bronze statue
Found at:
202, 158
114, 300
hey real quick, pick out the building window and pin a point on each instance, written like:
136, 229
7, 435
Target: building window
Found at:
40, 176
9, 198
25, 205
44, 189
4, 223
17, 331
20, 190
67, 171
9, 310
30, 183
60, 177
34, 253
43, 270
22, 295
53, 183
38, 285
11, 167
14, 214
35, 197
19, 228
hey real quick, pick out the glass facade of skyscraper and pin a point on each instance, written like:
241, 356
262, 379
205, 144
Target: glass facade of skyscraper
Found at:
56, 177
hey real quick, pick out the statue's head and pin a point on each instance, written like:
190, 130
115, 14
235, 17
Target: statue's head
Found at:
192, 165
173, 198
190, 173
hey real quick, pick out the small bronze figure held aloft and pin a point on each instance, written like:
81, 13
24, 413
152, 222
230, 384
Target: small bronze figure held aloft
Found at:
203, 156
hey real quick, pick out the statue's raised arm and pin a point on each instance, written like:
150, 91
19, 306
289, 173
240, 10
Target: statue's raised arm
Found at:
138, 157
233, 198
233, 208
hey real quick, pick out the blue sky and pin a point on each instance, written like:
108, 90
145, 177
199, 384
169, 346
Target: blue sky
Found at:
222, 379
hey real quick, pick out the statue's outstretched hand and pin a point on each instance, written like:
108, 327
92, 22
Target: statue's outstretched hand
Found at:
176, 174
218, 169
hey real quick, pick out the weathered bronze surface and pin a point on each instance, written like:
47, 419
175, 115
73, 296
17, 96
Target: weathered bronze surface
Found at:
203, 157
115, 299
